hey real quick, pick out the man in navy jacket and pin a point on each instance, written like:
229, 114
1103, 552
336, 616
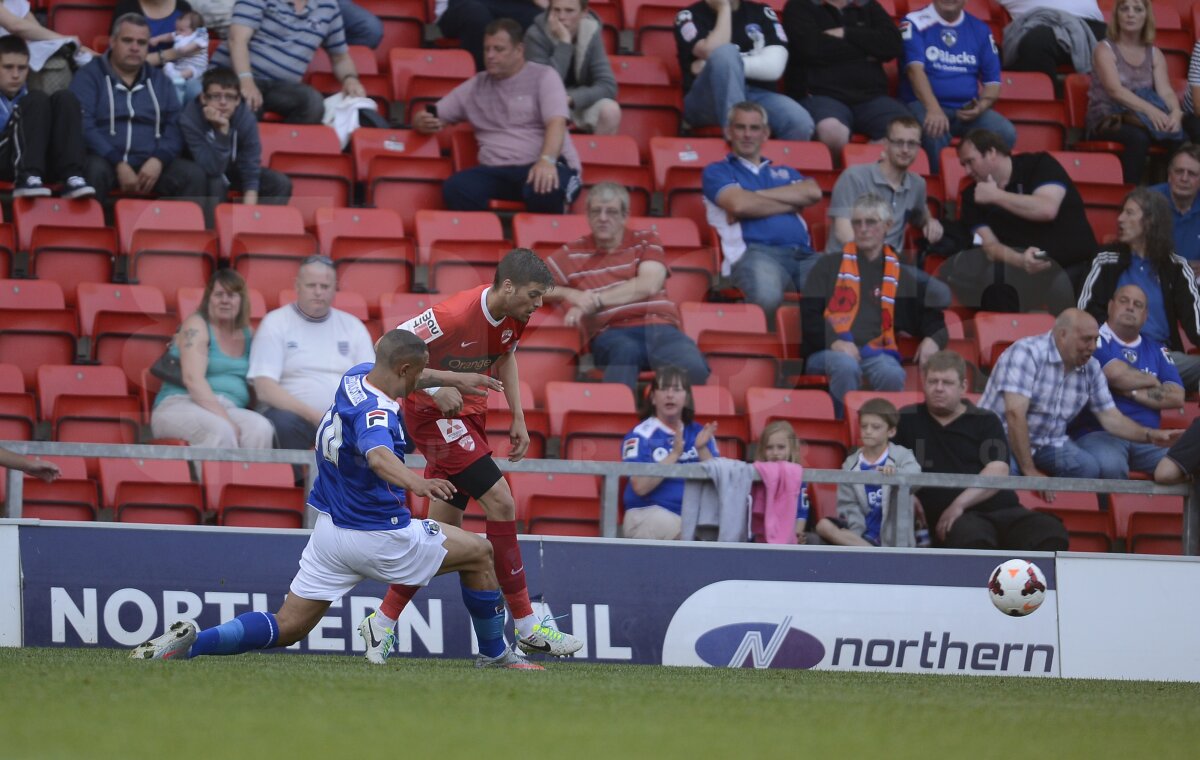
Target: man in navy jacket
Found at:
131, 120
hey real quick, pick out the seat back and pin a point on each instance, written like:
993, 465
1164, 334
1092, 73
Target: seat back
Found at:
94, 297
77, 380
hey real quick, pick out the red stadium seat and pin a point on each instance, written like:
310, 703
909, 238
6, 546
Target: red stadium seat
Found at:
218, 477
1123, 507
165, 244
159, 503
64, 499
67, 241
407, 185
716, 404
367, 143
18, 415
265, 244
31, 294
764, 405
1097, 176
161, 472
396, 308
403, 24
613, 158
591, 419
1027, 99
462, 248
96, 297
1088, 529
734, 339
369, 249
32, 338
84, 19
499, 422
88, 404
311, 155
678, 163
261, 506
421, 75
546, 233
996, 331
812, 159
557, 505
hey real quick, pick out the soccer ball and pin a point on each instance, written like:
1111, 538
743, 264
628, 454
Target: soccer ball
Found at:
1017, 587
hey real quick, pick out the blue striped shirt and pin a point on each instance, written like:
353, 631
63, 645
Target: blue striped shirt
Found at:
284, 40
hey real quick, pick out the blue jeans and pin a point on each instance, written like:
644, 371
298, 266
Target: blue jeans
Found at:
472, 189
882, 373
623, 352
765, 272
989, 120
362, 26
1118, 456
1065, 461
722, 83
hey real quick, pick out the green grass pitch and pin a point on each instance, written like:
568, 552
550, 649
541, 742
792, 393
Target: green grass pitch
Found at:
81, 703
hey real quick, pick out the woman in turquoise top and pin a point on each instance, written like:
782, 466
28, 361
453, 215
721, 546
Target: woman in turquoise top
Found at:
213, 346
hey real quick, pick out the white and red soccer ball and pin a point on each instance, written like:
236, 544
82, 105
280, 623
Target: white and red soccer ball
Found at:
1017, 587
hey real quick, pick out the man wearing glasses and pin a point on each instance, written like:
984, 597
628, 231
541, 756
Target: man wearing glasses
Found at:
220, 134
856, 302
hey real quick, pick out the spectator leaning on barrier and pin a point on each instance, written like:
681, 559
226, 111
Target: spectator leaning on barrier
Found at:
856, 302
730, 51
948, 434
613, 281
567, 37
1143, 381
1143, 257
519, 112
1030, 232
271, 45
668, 434
1041, 383
754, 205
1182, 190
131, 121
835, 66
300, 353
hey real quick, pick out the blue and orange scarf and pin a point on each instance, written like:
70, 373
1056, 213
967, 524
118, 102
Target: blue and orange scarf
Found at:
843, 305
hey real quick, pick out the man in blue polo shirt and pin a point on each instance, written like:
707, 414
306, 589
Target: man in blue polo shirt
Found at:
1182, 190
948, 54
754, 206
271, 51
1143, 381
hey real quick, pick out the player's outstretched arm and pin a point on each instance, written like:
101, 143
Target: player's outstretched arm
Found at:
385, 464
468, 383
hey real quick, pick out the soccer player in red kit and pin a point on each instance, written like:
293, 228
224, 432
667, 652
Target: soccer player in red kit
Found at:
472, 332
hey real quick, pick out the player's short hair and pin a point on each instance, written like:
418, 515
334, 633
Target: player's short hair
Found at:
668, 376
881, 408
12, 44
748, 106
521, 266
985, 140
514, 30
398, 347
136, 19
872, 203
233, 282
946, 360
609, 191
904, 121
220, 76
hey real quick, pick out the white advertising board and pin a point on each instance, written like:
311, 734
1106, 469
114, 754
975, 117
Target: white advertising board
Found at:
10, 587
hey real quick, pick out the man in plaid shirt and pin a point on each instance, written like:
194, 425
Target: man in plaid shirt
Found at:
1038, 386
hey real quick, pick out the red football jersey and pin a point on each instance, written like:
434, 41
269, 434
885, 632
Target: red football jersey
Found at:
462, 336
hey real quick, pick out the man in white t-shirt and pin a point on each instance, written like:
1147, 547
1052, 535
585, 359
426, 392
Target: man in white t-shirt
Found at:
300, 352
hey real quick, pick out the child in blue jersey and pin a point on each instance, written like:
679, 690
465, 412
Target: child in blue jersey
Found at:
779, 443
364, 528
867, 513
668, 434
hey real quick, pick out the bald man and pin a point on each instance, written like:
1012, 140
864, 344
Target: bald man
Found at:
1038, 386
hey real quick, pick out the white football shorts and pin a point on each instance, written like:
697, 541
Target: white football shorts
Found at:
336, 559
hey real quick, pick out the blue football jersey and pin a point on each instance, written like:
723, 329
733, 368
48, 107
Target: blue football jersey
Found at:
361, 418
651, 442
957, 57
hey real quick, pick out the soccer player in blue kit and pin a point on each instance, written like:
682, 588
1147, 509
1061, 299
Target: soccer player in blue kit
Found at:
364, 529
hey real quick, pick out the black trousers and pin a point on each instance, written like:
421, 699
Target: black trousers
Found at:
1039, 50
1014, 528
39, 122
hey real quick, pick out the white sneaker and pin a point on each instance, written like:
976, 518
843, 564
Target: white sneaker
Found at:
510, 659
177, 640
379, 640
547, 640
77, 187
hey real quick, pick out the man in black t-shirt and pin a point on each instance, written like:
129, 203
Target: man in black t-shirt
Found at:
1030, 234
1182, 460
730, 51
949, 434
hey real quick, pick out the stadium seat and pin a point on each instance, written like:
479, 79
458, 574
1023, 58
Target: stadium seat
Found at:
31, 294
1124, 506
165, 244
1180, 418
590, 419
1096, 175
735, 342
378, 86
556, 504
18, 413
260, 506
678, 163
367, 144
499, 421
395, 308
64, 499
159, 472
369, 249
764, 405
653, 22
83, 19
461, 248
855, 399
219, 476
822, 499
1027, 99
265, 244
546, 233
715, 404
159, 503
1088, 528
422, 75
311, 155
613, 158
131, 341
1154, 533
1075, 90
32, 338
403, 24
67, 241
407, 185
954, 177
812, 159
995, 332
88, 404
96, 297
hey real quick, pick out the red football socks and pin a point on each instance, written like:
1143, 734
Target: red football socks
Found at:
510, 569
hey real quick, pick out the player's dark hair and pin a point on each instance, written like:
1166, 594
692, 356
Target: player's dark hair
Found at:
881, 408
944, 360
668, 376
1158, 241
232, 282
398, 347
521, 267
514, 30
11, 43
985, 140
220, 76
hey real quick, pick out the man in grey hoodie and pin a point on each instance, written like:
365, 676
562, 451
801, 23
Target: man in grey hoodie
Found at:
220, 134
567, 38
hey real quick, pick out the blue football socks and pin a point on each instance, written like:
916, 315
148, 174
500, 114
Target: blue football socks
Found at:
487, 615
246, 632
